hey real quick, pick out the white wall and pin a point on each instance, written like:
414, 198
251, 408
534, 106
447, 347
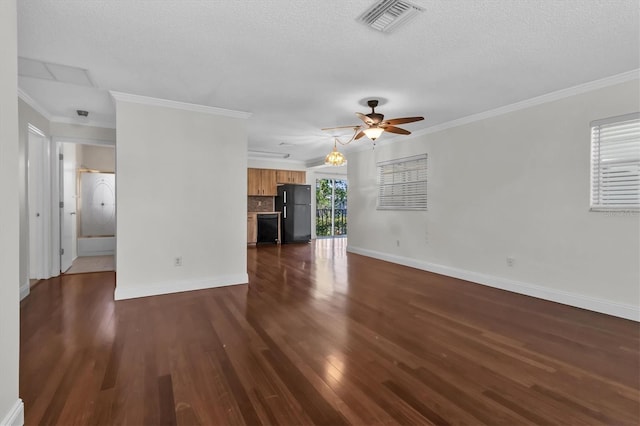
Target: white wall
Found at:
513, 185
83, 132
181, 191
10, 404
102, 158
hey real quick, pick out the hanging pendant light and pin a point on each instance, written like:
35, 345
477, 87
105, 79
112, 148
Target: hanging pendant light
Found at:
335, 157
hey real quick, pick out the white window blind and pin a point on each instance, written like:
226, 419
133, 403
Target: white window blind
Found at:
402, 184
615, 163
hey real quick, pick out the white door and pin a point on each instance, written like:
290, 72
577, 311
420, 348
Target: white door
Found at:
36, 205
68, 206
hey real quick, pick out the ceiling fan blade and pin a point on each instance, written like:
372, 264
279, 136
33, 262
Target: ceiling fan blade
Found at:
403, 120
364, 118
398, 130
357, 126
359, 135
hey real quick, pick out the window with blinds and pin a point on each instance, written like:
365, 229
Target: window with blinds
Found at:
615, 163
402, 184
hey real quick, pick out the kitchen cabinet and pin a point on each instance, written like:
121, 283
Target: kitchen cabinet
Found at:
252, 228
261, 182
291, 176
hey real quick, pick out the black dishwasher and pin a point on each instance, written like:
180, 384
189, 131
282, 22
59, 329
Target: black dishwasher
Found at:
267, 228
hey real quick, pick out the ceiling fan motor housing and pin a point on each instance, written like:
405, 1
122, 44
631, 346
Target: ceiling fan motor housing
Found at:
374, 116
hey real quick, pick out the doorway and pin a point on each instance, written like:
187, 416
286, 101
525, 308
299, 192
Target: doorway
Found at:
331, 208
87, 208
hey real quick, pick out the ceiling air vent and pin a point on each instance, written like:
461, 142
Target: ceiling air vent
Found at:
387, 15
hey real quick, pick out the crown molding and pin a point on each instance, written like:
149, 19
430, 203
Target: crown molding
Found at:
538, 100
527, 103
68, 120
145, 100
33, 104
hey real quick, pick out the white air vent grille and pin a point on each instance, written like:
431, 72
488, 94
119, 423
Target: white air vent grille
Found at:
387, 15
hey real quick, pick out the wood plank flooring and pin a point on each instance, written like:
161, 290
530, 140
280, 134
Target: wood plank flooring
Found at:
322, 337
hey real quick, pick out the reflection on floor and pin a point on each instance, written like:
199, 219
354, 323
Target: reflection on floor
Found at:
92, 264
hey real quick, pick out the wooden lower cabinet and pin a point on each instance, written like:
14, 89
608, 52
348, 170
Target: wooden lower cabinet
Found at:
252, 228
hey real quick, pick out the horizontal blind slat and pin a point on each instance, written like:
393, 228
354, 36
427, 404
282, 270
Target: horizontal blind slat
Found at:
615, 158
402, 184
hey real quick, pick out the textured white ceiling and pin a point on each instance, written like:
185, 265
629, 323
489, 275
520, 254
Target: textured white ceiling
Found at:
302, 65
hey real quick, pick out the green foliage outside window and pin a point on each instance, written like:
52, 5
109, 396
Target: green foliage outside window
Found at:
323, 207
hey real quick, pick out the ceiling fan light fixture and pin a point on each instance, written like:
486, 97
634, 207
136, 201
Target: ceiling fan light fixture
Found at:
373, 133
335, 157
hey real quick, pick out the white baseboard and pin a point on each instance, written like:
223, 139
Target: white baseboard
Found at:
25, 289
96, 246
131, 292
15, 416
608, 307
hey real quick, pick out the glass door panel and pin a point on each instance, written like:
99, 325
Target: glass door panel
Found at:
331, 207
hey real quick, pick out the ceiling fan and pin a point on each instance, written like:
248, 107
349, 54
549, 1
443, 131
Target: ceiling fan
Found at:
376, 124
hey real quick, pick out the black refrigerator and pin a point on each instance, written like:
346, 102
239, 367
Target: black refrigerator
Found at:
294, 204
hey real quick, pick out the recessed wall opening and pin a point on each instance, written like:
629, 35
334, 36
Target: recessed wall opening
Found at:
88, 212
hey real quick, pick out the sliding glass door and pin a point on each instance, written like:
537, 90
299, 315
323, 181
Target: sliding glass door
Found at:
331, 208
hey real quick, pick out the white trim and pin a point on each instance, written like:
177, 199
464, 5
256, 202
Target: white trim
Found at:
83, 141
146, 100
15, 415
267, 155
34, 129
296, 163
60, 119
25, 289
616, 119
621, 310
527, 103
77, 122
179, 286
33, 104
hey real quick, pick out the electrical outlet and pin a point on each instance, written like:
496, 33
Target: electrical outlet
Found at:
177, 261
510, 261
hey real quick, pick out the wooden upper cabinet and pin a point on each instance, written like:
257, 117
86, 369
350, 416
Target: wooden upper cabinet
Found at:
291, 176
299, 177
282, 176
265, 181
253, 182
261, 182
269, 183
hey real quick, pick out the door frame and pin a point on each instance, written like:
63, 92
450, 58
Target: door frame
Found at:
316, 177
57, 142
38, 193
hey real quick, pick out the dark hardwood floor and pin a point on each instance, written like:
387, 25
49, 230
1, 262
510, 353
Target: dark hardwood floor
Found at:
322, 337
